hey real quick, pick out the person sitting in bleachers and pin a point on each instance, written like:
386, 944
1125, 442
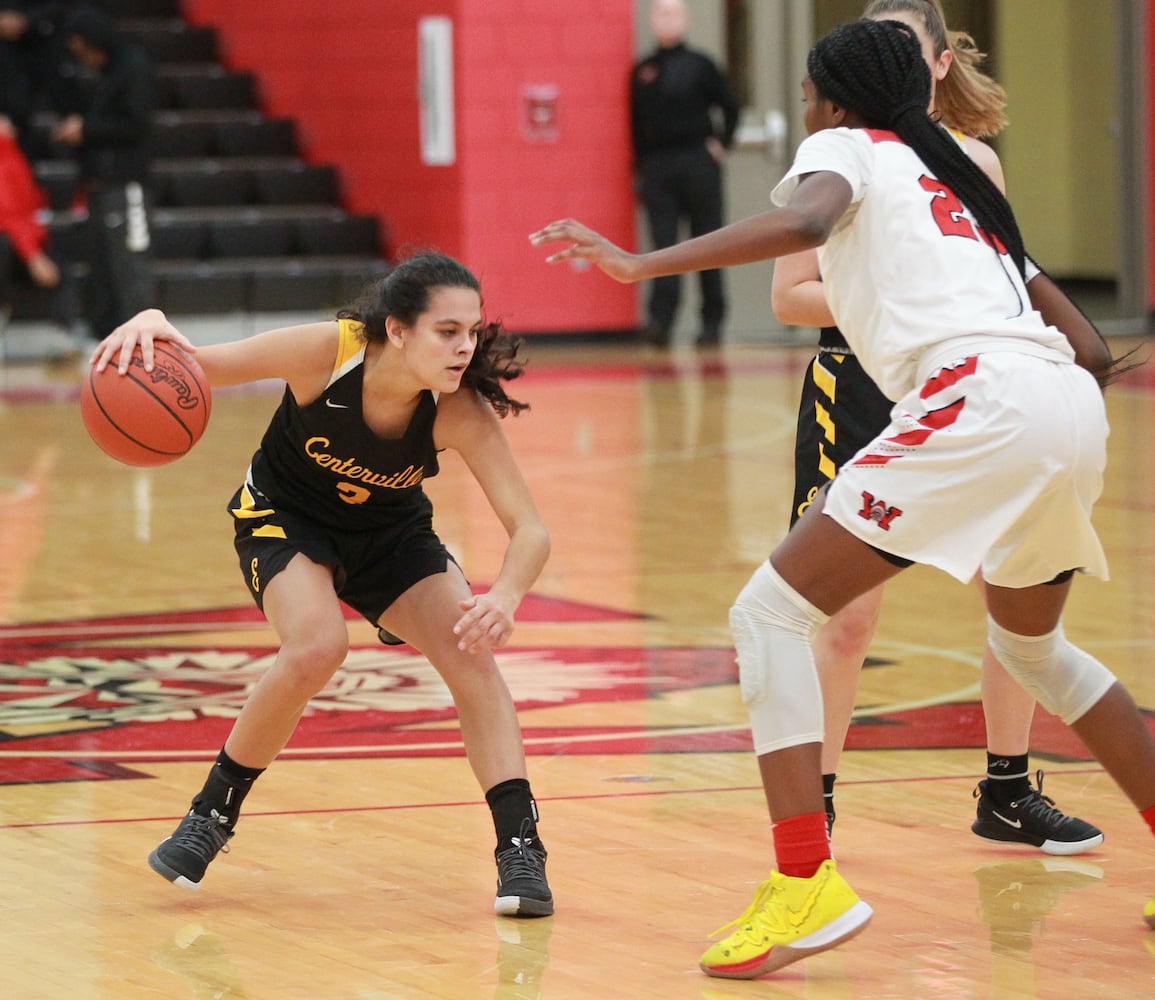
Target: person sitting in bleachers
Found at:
23, 234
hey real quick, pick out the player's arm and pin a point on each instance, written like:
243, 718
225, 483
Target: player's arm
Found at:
468, 425
988, 159
301, 355
796, 294
804, 223
1059, 311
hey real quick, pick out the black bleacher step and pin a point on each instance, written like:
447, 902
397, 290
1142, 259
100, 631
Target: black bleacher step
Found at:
194, 226
262, 285
189, 133
257, 137
206, 87
127, 9
58, 180
237, 238
201, 132
173, 40
268, 180
181, 139
185, 241
203, 186
369, 264
200, 182
247, 212
298, 184
336, 235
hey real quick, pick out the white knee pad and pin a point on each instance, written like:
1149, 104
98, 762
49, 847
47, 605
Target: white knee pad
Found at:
773, 625
1066, 681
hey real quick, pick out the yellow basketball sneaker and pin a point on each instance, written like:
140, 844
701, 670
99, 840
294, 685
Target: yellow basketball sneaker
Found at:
1149, 913
789, 919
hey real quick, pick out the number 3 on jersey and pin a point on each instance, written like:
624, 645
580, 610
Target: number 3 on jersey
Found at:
351, 493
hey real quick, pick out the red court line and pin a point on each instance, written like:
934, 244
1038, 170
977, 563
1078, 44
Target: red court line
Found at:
655, 793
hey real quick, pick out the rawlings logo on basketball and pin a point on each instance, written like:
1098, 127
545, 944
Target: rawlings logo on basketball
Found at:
878, 511
168, 374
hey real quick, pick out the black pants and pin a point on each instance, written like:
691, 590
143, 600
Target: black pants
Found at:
16, 284
116, 245
9, 261
677, 184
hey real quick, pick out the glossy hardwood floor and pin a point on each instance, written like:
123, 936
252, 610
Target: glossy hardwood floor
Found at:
362, 868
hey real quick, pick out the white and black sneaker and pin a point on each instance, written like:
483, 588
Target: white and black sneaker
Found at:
522, 889
1032, 819
183, 857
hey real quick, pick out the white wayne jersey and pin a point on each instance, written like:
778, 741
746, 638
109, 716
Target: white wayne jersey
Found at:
910, 279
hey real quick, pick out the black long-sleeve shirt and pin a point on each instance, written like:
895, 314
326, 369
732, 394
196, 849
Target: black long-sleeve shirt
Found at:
672, 94
118, 118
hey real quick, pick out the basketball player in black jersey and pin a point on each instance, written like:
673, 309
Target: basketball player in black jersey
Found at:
332, 509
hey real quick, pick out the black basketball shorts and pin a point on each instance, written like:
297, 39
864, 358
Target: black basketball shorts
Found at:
841, 410
371, 569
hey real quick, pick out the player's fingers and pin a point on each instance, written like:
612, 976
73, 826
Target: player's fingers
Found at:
101, 355
562, 229
146, 352
127, 347
465, 622
561, 255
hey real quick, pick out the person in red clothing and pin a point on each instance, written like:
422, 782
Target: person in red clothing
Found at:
23, 236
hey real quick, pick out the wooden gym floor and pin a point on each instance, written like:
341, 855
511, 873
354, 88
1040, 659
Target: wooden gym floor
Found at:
362, 867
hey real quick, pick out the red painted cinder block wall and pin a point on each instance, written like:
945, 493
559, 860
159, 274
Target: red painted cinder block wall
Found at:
346, 70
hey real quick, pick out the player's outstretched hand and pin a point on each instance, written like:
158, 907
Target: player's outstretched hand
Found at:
143, 329
585, 244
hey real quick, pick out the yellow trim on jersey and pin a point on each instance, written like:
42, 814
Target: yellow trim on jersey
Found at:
269, 531
248, 506
350, 348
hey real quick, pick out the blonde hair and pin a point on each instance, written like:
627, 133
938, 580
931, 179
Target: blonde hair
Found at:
967, 98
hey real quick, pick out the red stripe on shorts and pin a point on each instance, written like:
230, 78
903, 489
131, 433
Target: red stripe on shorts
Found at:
949, 376
935, 420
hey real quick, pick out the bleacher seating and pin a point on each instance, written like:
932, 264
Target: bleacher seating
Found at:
240, 221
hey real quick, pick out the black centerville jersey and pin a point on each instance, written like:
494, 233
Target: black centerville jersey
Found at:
323, 462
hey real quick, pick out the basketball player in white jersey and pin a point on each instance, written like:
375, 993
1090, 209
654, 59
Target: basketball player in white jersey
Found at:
992, 462
841, 410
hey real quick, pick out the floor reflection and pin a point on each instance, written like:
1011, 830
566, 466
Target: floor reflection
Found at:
201, 960
1016, 897
522, 955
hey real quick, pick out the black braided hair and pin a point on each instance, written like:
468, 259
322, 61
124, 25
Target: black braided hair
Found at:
404, 292
876, 70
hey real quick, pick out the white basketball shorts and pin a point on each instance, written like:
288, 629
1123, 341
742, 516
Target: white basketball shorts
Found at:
994, 463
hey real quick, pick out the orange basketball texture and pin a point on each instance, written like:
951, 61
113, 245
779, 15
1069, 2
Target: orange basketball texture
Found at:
147, 418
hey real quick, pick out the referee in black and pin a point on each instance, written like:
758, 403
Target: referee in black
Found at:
683, 114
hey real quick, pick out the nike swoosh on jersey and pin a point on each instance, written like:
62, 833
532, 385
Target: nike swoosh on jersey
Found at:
336, 406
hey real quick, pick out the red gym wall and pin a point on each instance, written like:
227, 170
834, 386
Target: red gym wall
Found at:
347, 71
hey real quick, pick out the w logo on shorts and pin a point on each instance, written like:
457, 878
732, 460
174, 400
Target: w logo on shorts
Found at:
878, 511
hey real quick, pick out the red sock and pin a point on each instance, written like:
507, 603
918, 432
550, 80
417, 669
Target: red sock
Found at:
1149, 816
801, 844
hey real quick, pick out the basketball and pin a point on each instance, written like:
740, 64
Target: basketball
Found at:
147, 418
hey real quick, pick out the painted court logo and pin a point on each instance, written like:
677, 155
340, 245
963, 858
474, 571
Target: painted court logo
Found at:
878, 511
